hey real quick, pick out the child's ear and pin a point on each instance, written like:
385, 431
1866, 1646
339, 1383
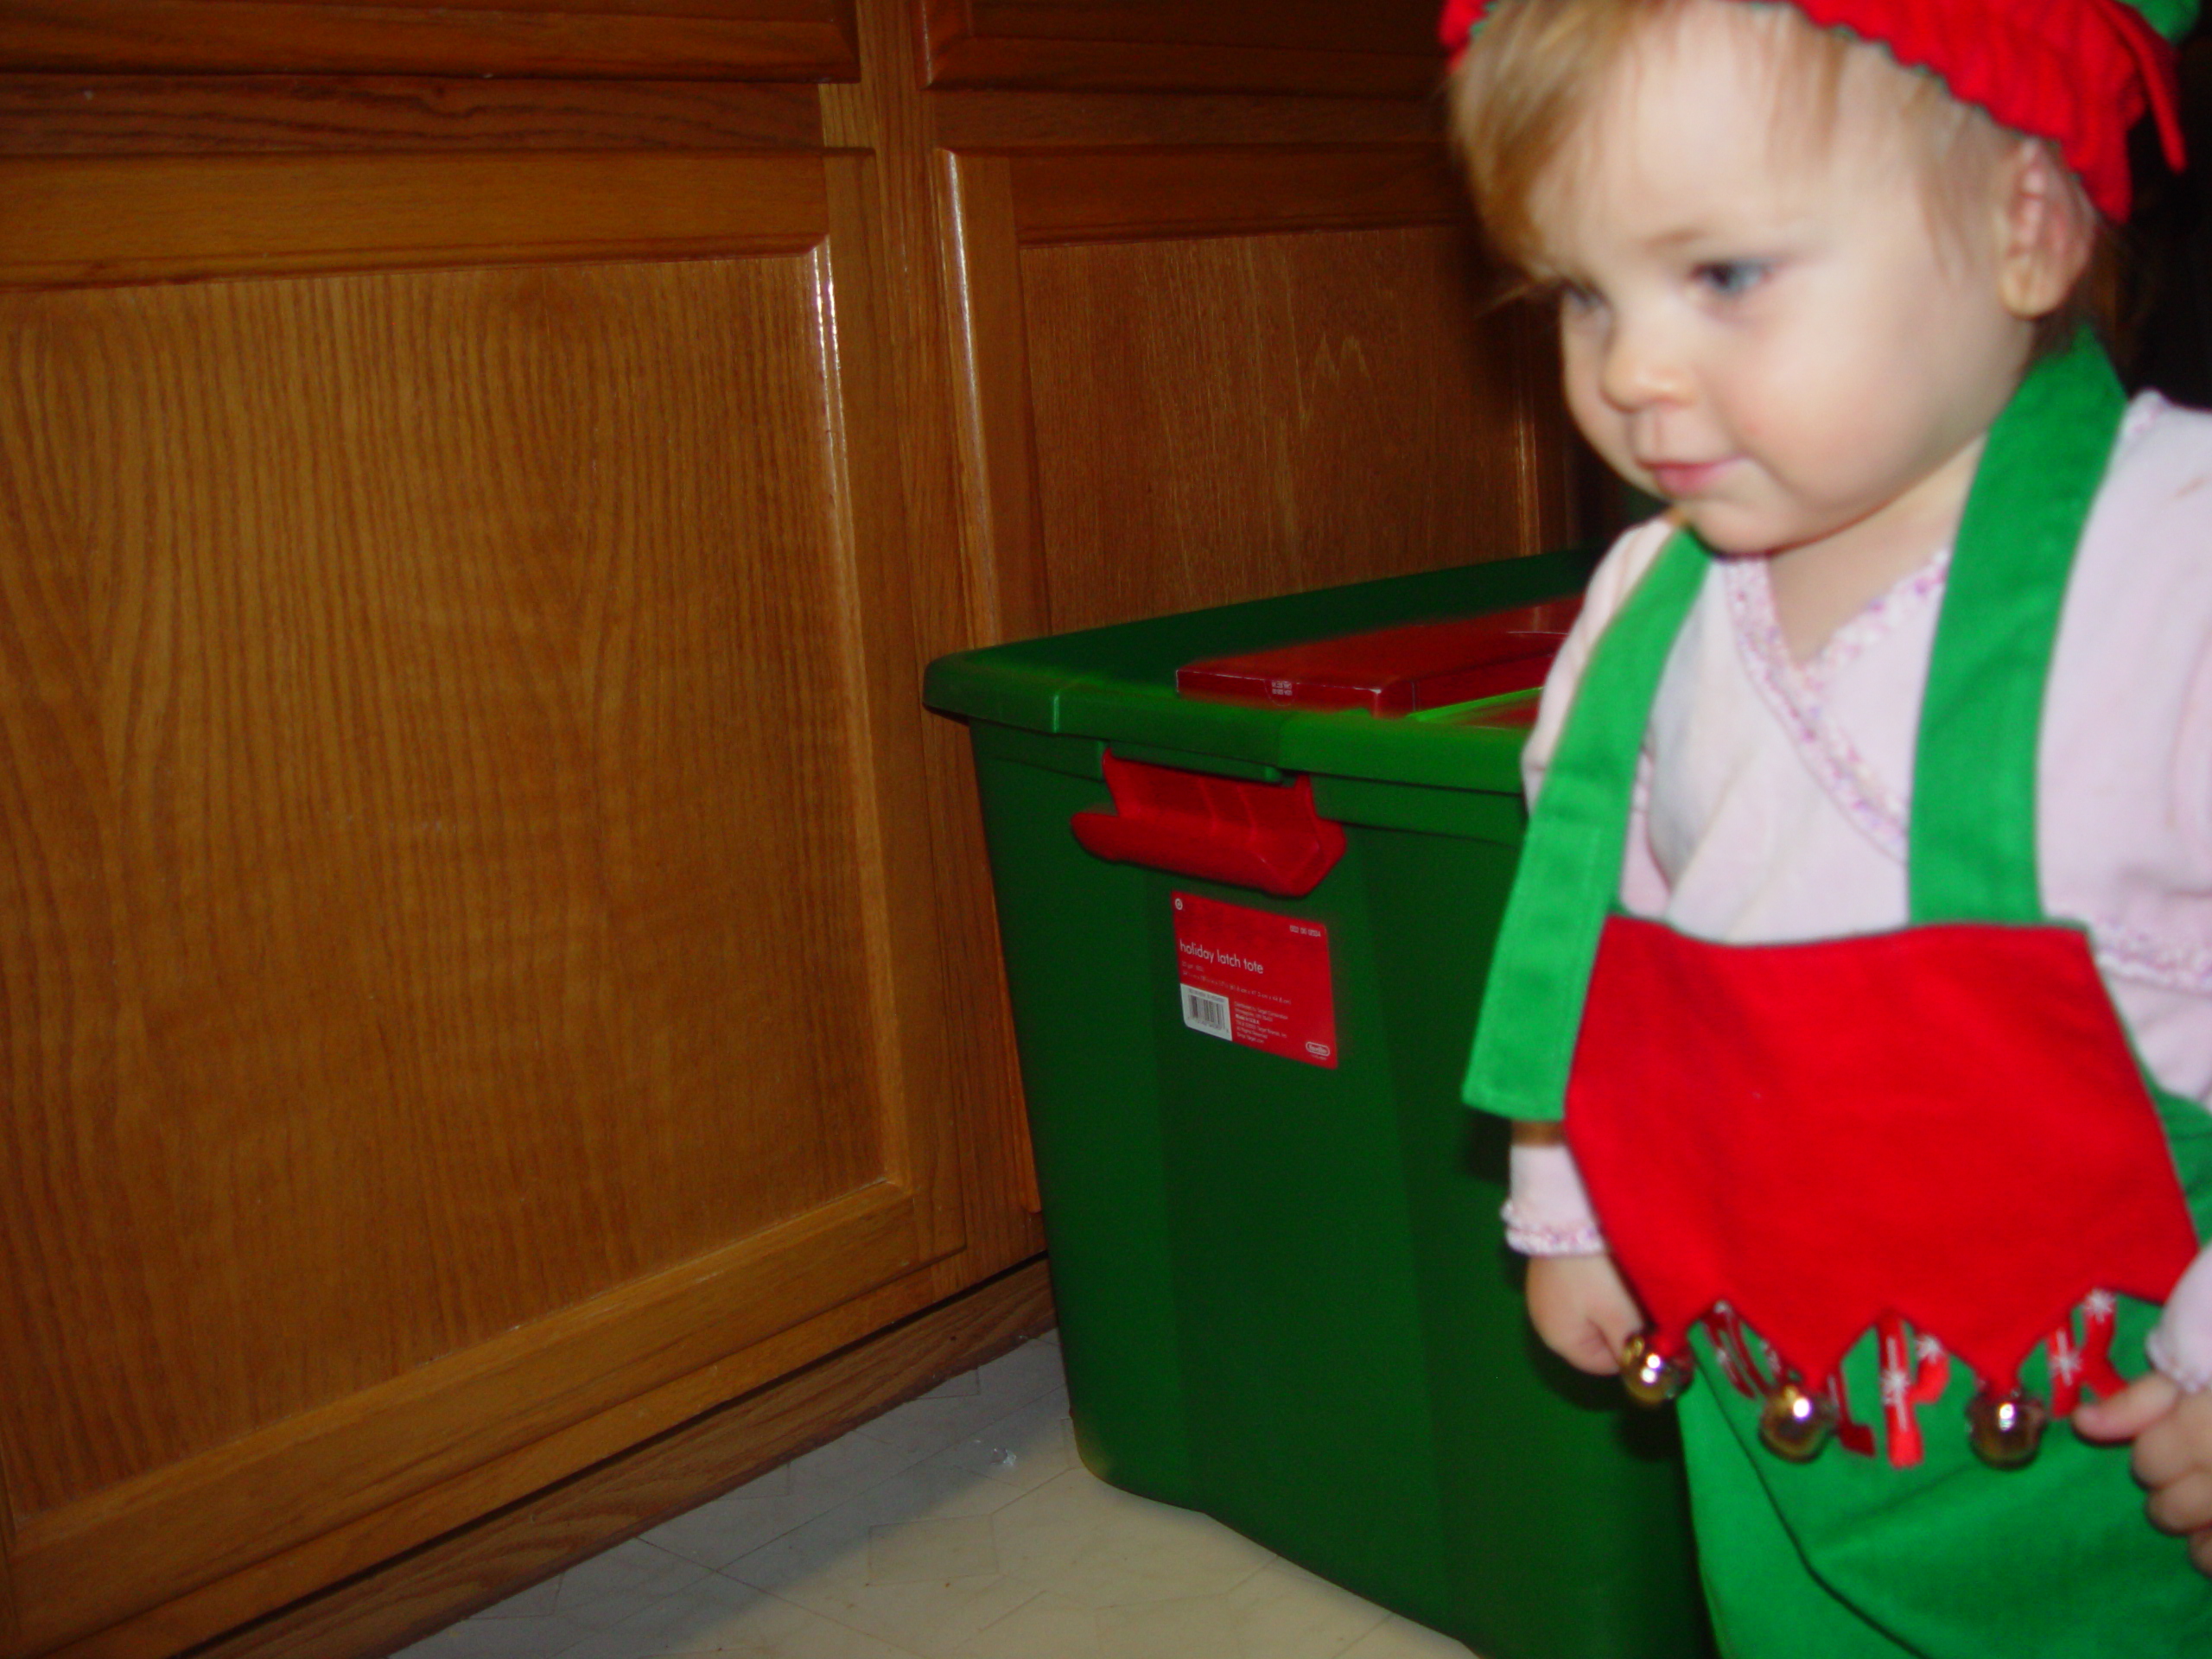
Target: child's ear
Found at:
2046, 232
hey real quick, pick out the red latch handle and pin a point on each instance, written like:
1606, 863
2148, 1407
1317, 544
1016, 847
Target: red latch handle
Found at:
1263, 836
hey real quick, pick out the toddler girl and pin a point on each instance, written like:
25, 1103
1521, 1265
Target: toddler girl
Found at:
1863, 940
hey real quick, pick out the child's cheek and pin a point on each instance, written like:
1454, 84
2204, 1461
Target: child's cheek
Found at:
1595, 418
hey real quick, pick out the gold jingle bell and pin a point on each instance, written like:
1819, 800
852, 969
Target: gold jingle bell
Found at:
2005, 1430
1651, 1377
1796, 1423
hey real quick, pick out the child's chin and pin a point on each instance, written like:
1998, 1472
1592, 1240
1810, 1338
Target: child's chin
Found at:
1725, 534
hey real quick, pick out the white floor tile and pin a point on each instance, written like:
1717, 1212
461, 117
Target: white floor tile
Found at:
1400, 1639
1078, 1537
1284, 1613
1022, 1373
914, 1551
533, 1603
828, 1566
626, 1580
961, 1526
731, 1527
938, 1619
1051, 1627
830, 1474
697, 1622
1025, 1450
723, 1616
774, 1483
940, 1419
1168, 1629
483, 1637
736, 1525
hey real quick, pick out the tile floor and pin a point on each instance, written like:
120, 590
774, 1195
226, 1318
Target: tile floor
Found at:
959, 1526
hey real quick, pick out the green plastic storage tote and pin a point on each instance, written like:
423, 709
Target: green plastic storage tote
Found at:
1274, 1229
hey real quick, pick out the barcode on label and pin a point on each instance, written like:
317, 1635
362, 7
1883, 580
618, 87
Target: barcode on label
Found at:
1203, 1011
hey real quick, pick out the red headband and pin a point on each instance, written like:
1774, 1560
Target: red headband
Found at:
2079, 73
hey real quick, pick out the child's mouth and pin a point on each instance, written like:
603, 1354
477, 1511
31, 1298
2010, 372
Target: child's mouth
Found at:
1678, 478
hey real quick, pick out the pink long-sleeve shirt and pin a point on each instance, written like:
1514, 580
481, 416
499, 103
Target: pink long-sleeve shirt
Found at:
1773, 797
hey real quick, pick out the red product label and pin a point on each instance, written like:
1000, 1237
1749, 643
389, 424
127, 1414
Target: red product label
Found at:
1255, 977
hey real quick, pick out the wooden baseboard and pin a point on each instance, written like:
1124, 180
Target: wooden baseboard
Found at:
406, 1599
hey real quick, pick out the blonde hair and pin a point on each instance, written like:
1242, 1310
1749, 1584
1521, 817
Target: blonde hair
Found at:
1527, 83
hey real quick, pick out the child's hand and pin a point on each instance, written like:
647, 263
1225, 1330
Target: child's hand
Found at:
2173, 1431
1582, 1309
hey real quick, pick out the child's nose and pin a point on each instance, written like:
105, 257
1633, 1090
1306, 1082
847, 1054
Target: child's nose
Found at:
1644, 365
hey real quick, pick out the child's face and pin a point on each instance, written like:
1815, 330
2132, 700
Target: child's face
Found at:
1760, 325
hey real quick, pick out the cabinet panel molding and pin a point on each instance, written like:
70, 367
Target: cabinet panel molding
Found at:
174, 115
458, 734
1386, 49
753, 40
400, 1598
213, 1513
1007, 588
377, 1546
78, 221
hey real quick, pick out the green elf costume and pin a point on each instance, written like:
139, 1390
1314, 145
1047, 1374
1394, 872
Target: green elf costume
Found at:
1914, 1233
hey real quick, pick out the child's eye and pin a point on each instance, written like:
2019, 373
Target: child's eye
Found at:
1732, 279
1571, 297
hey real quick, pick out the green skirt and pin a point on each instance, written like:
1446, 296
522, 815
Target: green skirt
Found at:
1847, 1557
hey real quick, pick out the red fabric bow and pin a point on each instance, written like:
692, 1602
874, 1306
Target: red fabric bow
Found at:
1458, 24
2079, 73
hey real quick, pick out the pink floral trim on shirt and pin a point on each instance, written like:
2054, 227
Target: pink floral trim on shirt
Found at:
1525, 1237
1879, 619
2129, 953
1797, 694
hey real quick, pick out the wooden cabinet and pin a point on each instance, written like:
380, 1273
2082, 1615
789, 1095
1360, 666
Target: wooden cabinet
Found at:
463, 756
758, 40
499, 1021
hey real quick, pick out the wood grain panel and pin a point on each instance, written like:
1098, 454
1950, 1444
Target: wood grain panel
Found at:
1386, 49
1192, 382
453, 725
1291, 411
79, 220
1012, 120
1382, 28
1101, 196
754, 40
107, 115
289, 762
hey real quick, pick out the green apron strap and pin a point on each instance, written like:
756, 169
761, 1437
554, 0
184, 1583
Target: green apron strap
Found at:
1524, 1038
1972, 844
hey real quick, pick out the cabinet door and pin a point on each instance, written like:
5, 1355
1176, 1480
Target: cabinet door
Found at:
1197, 375
457, 734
